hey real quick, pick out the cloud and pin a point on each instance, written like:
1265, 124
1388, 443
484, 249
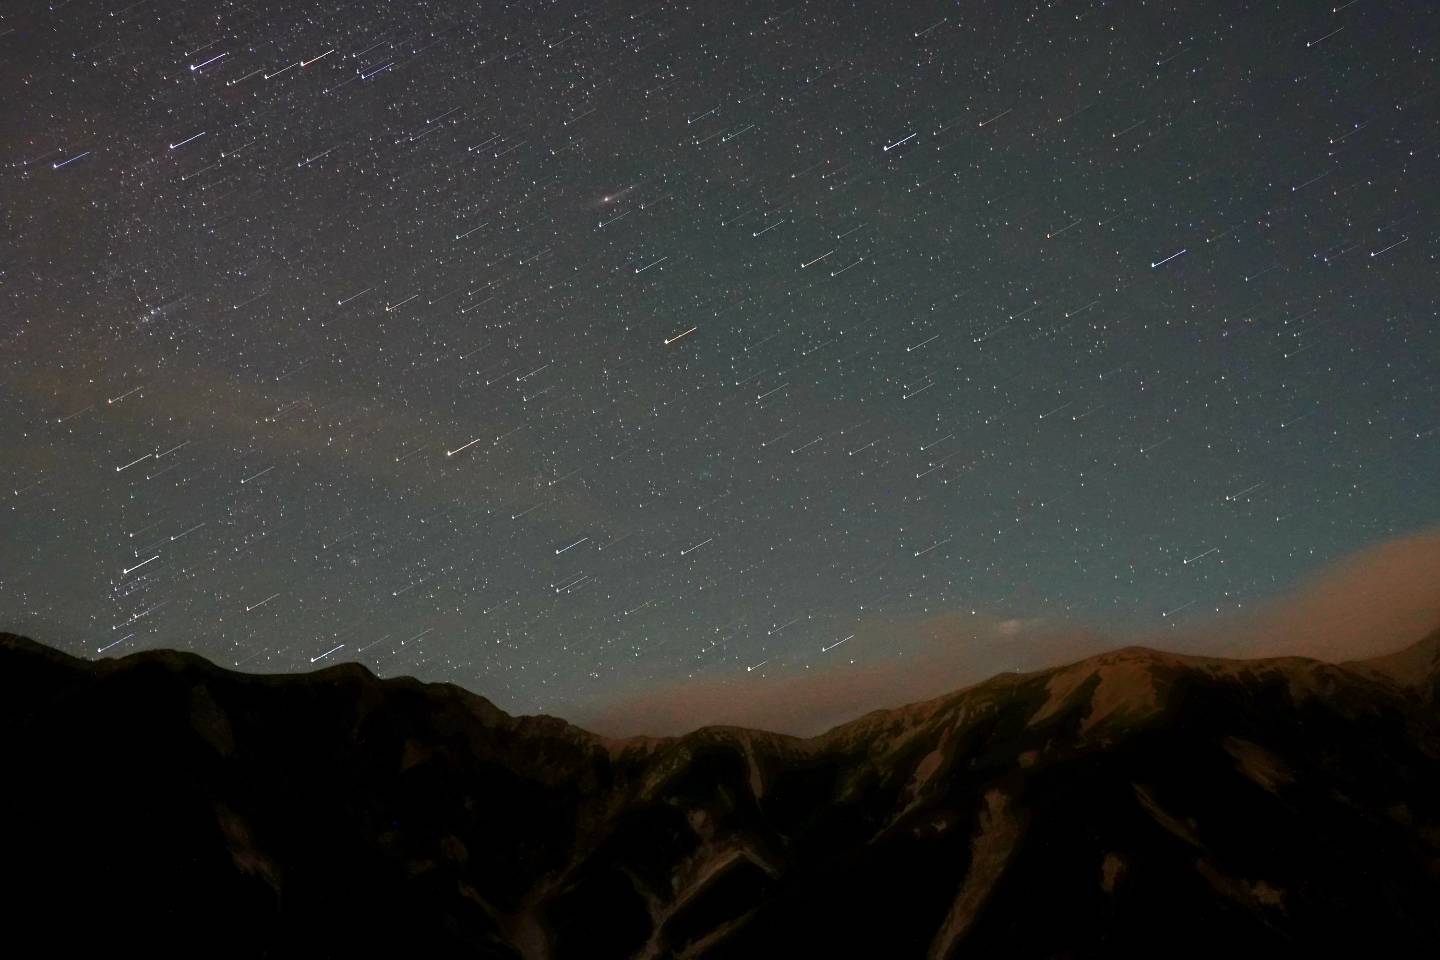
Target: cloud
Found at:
1373, 602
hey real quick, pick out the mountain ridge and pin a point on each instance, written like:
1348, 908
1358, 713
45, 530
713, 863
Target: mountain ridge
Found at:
1416, 664
1130, 793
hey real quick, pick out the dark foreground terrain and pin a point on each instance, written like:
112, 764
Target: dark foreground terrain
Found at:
1136, 803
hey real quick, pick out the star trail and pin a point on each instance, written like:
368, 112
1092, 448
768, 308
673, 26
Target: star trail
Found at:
559, 349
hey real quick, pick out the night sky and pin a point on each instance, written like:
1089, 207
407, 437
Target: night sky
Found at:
561, 350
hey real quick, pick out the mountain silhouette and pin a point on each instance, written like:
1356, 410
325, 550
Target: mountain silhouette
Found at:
1134, 803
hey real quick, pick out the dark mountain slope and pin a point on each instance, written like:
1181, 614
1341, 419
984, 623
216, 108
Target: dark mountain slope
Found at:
1133, 803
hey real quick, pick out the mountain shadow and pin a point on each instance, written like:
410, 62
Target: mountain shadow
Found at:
1134, 803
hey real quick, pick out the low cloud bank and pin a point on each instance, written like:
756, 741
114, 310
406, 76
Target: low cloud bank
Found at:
1374, 602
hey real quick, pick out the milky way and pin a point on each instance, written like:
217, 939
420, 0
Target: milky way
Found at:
561, 349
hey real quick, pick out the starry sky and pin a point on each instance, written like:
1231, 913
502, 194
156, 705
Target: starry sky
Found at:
566, 350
